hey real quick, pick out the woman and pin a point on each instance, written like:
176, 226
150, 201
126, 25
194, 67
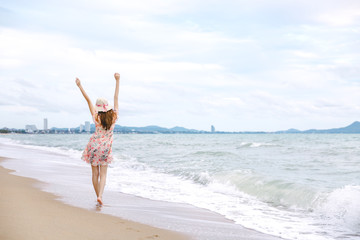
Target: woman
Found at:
98, 151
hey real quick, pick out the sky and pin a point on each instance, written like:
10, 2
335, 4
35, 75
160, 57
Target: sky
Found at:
240, 65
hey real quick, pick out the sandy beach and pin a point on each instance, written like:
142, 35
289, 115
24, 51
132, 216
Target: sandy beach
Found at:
29, 213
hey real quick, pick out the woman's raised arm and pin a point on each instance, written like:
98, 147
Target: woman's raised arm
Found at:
116, 95
91, 106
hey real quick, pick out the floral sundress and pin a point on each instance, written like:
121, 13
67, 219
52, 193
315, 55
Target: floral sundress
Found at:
99, 149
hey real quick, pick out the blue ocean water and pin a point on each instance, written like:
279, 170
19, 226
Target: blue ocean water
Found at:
296, 186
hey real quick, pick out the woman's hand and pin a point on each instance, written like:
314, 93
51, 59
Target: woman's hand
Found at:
117, 76
78, 83
116, 95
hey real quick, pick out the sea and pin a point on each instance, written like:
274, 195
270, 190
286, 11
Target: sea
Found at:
289, 186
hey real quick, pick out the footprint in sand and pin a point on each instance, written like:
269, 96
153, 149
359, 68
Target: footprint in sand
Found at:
153, 237
132, 229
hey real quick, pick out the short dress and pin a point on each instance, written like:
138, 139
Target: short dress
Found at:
99, 149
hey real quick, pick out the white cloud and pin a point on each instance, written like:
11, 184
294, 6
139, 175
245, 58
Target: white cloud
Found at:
233, 64
347, 16
18, 109
304, 54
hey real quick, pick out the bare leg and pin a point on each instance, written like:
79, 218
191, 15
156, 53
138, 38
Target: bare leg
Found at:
103, 172
95, 179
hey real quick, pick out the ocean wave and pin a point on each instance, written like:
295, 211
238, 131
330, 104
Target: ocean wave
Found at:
275, 192
206, 191
255, 145
342, 207
59, 150
213, 153
203, 178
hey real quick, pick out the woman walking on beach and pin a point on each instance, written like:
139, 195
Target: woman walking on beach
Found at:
98, 151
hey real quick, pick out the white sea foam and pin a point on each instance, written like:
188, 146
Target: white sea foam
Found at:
255, 144
342, 207
244, 209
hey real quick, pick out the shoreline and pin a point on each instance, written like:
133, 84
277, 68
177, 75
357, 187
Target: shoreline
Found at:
29, 213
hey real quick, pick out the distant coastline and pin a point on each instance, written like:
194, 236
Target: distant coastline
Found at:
352, 128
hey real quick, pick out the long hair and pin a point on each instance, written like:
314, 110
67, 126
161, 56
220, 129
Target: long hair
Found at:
107, 119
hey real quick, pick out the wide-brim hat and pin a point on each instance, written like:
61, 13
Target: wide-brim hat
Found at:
102, 105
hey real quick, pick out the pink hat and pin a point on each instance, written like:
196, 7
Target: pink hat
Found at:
102, 105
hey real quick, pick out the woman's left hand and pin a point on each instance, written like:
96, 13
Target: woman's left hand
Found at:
78, 83
117, 76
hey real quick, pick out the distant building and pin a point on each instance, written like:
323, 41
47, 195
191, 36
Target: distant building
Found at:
81, 128
45, 124
87, 126
30, 128
212, 128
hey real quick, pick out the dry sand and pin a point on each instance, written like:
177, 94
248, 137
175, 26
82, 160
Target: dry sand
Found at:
29, 213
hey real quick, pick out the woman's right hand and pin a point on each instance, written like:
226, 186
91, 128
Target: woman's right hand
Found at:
117, 76
78, 83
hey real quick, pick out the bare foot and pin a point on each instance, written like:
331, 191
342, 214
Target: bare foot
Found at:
99, 200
